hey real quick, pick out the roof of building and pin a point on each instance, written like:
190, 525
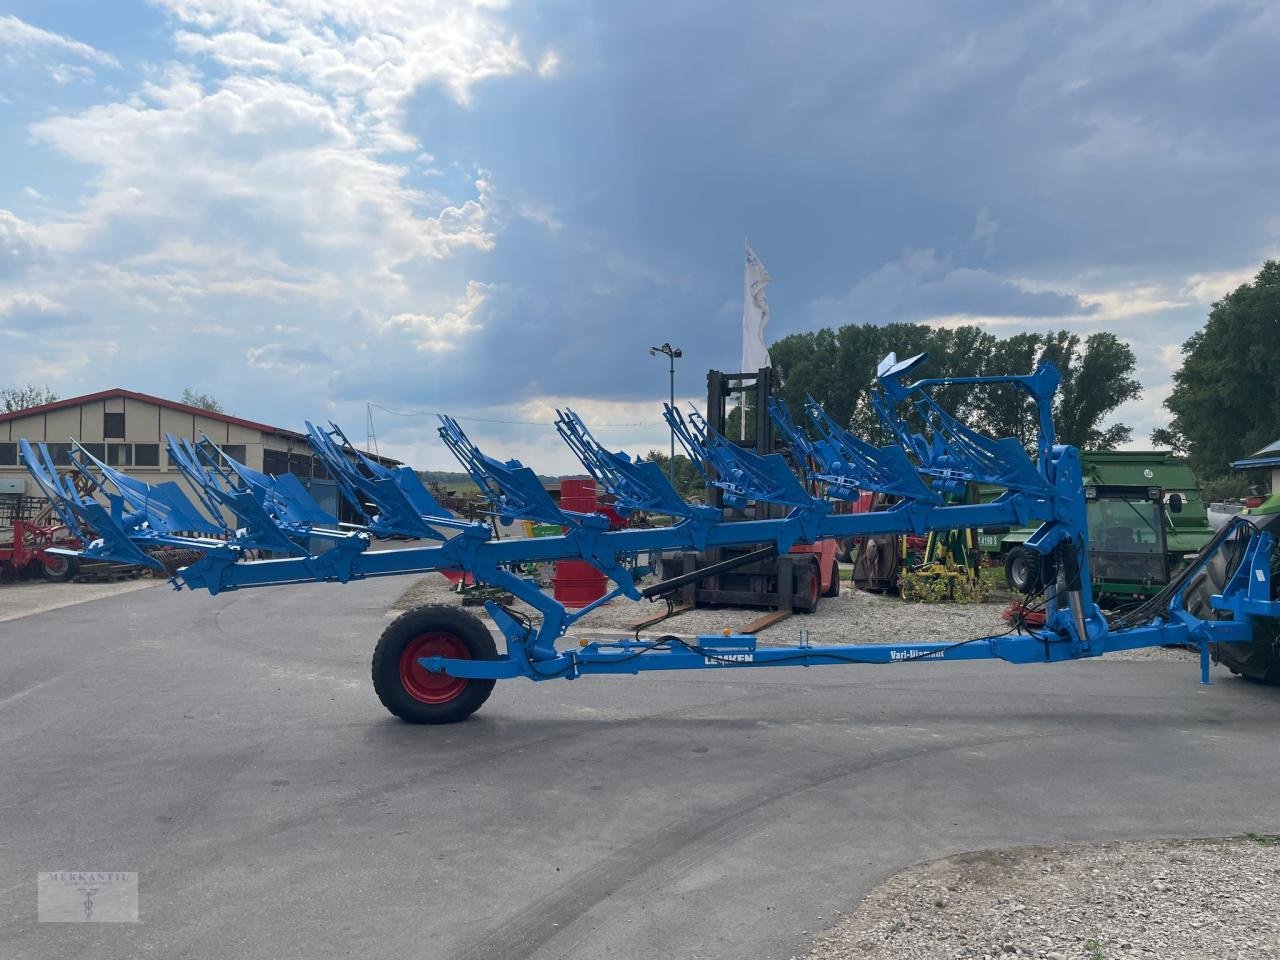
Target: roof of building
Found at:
1268, 456
117, 392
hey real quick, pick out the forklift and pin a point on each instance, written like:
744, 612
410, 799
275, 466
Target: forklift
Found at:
795, 581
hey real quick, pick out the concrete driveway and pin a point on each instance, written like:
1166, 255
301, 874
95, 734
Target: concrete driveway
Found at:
231, 751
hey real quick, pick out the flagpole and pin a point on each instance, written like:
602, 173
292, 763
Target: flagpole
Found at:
755, 317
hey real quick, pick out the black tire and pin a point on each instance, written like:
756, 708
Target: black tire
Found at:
805, 592
1026, 571
412, 693
834, 589
1259, 660
59, 569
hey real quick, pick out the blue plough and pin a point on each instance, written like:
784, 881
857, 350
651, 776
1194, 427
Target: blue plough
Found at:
439, 664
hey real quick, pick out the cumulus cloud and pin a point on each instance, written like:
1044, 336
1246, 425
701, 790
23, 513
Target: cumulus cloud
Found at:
268, 180
20, 245
445, 332
377, 51
248, 151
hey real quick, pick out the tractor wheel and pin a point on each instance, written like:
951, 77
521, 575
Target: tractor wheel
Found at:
58, 569
1259, 660
804, 596
834, 589
415, 694
1027, 571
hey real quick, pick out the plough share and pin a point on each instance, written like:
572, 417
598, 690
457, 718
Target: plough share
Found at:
438, 664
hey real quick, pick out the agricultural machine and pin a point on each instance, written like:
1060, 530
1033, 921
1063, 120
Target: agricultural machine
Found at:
439, 664
29, 534
1145, 519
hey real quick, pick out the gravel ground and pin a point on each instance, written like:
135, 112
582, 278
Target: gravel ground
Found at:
1163, 900
853, 617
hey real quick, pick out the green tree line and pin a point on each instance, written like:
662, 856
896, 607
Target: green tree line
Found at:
837, 367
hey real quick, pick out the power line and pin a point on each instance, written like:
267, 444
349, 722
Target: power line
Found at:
525, 423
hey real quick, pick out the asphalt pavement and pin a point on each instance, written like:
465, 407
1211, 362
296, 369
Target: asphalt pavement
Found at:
231, 751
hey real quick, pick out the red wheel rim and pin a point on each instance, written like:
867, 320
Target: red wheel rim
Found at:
815, 585
419, 682
56, 566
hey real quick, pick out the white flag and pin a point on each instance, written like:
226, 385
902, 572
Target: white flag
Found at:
755, 315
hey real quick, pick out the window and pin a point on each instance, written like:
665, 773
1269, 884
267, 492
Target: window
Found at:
146, 454
60, 453
235, 451
98, 450
275, 462
119, 454
318, 469
113, 425
300, 465
8, 454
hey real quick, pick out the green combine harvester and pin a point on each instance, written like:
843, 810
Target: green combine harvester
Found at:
1146, 517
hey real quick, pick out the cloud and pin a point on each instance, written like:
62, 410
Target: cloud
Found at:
1209, 287
286, 358
25, 36
33, 314
921, 287
185, 161
376, 51
549, 65
20, 245
440, 334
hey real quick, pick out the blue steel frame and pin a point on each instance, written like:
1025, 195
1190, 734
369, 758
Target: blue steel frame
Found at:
936, 454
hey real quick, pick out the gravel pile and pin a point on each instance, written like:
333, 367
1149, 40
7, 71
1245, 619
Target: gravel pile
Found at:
1164, 900
852, 617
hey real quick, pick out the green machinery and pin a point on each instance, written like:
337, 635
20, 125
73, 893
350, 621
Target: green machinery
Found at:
1145, 515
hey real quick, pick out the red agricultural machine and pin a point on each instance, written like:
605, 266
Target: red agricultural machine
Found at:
29, 531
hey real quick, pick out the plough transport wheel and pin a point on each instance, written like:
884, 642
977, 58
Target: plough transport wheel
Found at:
415, 694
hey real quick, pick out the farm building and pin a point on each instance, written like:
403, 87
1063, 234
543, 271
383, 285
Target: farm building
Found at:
126, 430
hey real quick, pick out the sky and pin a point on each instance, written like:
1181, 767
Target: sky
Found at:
322, 208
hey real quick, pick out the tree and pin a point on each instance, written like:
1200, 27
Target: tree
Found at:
202, 400
21, 398
837, 367
689, 482
1226, 397
1095, 381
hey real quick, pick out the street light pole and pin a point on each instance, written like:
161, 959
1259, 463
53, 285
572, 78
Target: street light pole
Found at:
671, 353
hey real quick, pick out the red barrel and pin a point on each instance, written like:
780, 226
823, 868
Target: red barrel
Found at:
576, 582
578, 494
